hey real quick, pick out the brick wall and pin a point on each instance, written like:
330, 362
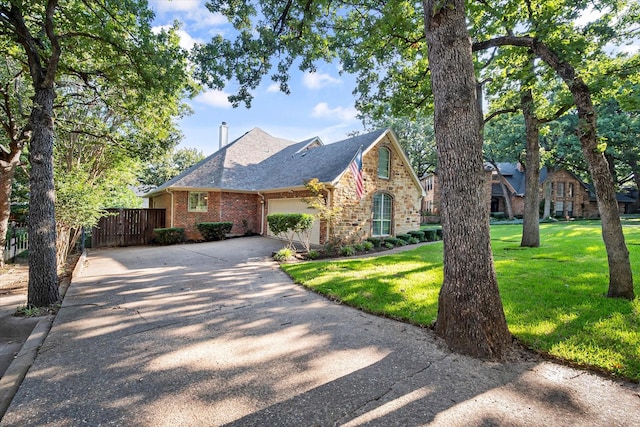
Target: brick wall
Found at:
354, 223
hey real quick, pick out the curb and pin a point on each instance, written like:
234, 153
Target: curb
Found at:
15, 373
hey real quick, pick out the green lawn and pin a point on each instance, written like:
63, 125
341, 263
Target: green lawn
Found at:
553, 296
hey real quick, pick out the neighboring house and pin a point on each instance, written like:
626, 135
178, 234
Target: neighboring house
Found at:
568, 195
258, 174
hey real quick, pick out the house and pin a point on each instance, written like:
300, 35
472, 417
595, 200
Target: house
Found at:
258, 174
567, 194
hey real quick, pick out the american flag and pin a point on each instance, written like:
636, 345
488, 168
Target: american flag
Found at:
356, 170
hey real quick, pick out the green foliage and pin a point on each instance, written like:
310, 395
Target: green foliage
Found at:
167, 166
404, 237
289, 225
418, 234
313, 254
168, 236
367, 245
284, 254
413, 240
347, 250
375, 241
359, 247
553, 296
395, 241
212, 231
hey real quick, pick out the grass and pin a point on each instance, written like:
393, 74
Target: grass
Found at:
554, 297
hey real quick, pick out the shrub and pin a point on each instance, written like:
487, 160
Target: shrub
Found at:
413, 240
288, 225
439, 234
389, 245
394, 241
404, 237
418, 234
430, 235
347, 251
358, 247
168, 236
313, 254
375, 241
283, 254
211, 231
367, 245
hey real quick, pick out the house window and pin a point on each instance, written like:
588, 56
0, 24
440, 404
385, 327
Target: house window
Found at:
382, 209
560, 189
429, 183
197, 202
570, 208
559, 207
384, 155
570, 190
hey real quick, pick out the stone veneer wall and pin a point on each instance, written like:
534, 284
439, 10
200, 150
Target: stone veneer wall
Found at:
354, 223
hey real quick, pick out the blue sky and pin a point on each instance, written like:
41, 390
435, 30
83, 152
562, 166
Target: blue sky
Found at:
320, 104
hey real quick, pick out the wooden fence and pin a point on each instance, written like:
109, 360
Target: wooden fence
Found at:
127, 227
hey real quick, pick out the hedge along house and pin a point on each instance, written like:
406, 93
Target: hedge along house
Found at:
258, 174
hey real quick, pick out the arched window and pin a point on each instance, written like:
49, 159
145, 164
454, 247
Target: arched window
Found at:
384, 157
382, 213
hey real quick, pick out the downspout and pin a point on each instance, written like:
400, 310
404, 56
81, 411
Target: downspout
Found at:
172, 207
262, 214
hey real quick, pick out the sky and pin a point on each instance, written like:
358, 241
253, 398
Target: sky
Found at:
320, 104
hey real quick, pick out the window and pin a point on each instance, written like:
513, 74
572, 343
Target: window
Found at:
570, 208
570, 190
560, 189
382, 209
559, 207
197, 202
429, 183
384, 155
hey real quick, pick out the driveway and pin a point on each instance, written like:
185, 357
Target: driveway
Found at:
215, 334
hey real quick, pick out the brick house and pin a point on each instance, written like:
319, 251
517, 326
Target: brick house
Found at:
258, 174
569, 196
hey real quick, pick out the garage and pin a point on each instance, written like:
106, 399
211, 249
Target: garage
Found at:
295, 206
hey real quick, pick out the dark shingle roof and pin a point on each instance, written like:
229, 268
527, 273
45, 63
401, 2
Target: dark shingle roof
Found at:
258, 161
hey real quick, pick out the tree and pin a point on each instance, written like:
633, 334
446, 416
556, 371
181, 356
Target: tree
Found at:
470, 316
108, 46
167, 166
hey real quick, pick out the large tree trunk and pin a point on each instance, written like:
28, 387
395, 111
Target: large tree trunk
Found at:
620, 275
470, 315
43, 278
531, 220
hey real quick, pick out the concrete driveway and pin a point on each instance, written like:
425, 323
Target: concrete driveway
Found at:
215, 334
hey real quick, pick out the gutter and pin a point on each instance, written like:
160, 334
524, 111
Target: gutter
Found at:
262, 215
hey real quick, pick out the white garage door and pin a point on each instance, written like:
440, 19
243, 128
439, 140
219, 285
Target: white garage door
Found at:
295, 206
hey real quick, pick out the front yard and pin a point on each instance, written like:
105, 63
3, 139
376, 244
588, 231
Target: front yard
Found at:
553, 296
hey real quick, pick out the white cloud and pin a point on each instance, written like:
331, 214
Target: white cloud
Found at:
186, 41
163, 6
319, 80
322, 111
273, 88
214, 98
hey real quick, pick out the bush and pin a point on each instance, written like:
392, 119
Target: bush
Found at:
168, 236
358, 247
418, 234
430, 235
283, 254
404, 237
413, 240
347, 251
375, 241
211, 231
394, 241
389, 245
288, 225
367, 245
313, 254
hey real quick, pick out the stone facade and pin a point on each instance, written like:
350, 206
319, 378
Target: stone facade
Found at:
355, 222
